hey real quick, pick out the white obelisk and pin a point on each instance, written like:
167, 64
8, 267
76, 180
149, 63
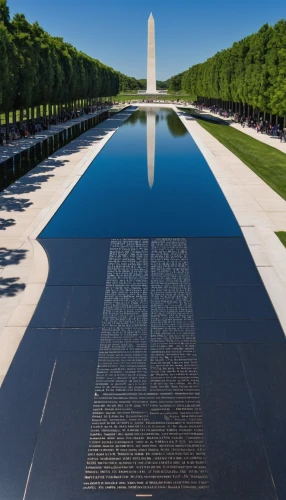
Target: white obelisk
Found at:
151, 134
151, 63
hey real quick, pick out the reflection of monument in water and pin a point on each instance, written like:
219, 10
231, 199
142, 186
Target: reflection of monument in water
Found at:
151, 137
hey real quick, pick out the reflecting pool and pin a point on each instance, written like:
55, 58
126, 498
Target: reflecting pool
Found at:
150, 180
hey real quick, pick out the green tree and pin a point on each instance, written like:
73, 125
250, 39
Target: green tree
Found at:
4, 13
175, 83
8, 78
252, 71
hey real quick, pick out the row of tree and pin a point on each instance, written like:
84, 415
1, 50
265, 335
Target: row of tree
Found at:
127, 83
252, 71
38, 69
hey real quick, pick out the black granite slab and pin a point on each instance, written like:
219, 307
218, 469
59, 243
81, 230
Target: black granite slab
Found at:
237, 463
80, 339
265, 368
77, 262
232, 302
61, 449
22, 398
239, 331
52, 308
62, 444
221, 260
242, 387
86, 307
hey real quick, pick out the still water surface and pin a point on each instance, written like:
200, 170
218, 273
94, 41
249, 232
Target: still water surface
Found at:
150, 180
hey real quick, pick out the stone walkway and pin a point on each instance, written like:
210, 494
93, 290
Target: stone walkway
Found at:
259, 211
18, 146
266, 139
25, 208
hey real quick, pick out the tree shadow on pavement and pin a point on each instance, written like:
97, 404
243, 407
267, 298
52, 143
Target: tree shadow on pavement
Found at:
10, 286
4, 223
12, 204
10, 257
29, 183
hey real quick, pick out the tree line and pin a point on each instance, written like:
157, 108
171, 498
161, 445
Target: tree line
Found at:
252, 71
127, 83
38, 69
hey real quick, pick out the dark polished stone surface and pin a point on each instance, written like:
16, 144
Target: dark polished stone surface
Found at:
232, 302
239, 331
22, 399
77, 262
237, 460
52, 308
69, 307
241, 365
265, 370
80, 339
86, 307
221, 261
60, 452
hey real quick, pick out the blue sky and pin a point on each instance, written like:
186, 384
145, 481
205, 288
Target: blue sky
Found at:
115, 31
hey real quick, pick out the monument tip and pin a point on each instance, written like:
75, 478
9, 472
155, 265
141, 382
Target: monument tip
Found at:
151, 16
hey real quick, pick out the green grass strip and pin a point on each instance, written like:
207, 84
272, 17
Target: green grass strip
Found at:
282, 237
267, 162
160, 97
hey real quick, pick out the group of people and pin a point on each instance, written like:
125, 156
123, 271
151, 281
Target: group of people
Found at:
262, 126
31, 127
221, 112
21, 131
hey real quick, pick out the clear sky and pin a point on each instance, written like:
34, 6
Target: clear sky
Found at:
115, 31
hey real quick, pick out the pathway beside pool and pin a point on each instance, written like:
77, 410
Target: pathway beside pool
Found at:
25, 207
20, 145
251, 132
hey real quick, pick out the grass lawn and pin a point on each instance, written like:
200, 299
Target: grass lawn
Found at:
160, 97
282, 237
267, 162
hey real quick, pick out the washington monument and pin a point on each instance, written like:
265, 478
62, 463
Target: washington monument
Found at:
151, 65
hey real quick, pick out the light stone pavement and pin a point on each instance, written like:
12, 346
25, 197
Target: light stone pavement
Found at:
19, 145
28, 205
25, 208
